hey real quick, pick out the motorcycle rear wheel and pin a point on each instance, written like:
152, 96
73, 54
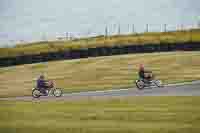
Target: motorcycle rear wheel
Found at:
140, 84
36, 93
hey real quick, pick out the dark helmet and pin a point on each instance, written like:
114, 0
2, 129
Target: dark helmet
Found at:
41, 77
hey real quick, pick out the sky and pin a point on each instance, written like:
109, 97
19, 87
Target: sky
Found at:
34, 20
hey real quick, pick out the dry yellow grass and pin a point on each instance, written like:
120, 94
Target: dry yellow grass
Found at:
100, 73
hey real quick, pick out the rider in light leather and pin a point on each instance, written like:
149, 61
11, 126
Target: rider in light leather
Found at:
144, 74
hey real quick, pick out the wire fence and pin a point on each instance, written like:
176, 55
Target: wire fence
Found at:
117, 29
112, 29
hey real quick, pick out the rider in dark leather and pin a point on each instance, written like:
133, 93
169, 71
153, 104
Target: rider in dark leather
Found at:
42, 84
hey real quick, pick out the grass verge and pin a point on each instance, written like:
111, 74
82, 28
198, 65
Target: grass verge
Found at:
129, 115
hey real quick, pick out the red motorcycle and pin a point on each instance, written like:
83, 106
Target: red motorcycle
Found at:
50, 91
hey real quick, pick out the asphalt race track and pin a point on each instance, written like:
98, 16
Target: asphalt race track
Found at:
188, 89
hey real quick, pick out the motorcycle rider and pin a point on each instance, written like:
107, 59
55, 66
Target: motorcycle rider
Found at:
42, 84
144, 75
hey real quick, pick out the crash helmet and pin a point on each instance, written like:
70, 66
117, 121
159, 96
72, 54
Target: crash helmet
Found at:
41, 76
141, 67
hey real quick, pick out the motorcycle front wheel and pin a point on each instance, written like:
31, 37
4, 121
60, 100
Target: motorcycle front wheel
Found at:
158, 83
57, 92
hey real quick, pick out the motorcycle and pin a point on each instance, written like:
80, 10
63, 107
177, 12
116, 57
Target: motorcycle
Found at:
51, 91
143, 83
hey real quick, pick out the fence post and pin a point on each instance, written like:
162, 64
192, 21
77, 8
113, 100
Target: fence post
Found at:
165, 27
133, 28
147, 27
106, 31
128, 28
119, 30
67, 35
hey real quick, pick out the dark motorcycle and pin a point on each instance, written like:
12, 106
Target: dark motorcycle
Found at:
51, 91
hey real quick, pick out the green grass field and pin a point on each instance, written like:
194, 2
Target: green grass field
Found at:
99, 41
100, 73
127, 115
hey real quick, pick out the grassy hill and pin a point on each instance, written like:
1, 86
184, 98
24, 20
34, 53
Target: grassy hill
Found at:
100, 73
99, 41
